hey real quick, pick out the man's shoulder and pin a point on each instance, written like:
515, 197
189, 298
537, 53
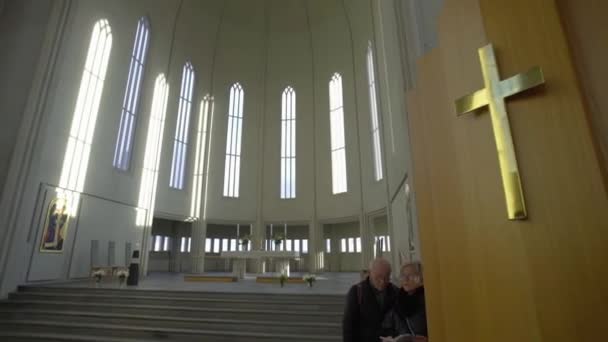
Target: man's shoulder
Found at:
358, 286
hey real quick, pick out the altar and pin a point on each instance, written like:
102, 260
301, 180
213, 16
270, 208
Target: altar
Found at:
240, 260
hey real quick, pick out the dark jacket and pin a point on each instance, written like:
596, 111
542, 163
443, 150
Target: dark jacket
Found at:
408, 315
363, 316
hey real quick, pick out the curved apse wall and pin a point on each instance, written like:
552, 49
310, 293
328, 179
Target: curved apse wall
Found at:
267, 46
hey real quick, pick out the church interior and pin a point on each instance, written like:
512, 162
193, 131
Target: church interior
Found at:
226, 170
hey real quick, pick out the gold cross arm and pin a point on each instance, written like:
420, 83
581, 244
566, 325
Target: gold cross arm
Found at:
509, 87
493, 96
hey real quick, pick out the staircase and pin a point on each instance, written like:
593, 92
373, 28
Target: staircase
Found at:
37, 313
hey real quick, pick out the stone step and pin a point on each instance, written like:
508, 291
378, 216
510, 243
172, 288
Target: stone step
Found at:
125, 298
300, 328
266, 297
151, 333
175, 311
18, 336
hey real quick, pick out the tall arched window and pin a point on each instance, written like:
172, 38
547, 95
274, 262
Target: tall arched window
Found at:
78, 150
338, 145
288, 144
149, 177
232, 168
373, 110
126, 130
206, 110
180, 146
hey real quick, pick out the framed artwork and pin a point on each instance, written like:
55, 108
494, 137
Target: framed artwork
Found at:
55, 226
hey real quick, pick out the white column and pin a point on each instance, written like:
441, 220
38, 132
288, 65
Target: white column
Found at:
197, 251
315, 237
239, 267
258, 230
367, 240
144, 252
175, 254
282, 266
334, 256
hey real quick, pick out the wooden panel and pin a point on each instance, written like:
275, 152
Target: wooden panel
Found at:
570, 228
587, 32
490, 279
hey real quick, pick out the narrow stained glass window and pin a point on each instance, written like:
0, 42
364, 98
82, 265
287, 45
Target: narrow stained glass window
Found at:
78, 149
149, 178
180, 145
338, 145
375, 122
233, 142
200, 157
288, 144
126, 130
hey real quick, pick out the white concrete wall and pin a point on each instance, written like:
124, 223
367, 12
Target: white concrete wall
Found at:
48, 128
289, 45
333, 53
240, 57
361, 23
98, 219
173, 260
22, 28
336, 261
405, 227
195, 34
398, 46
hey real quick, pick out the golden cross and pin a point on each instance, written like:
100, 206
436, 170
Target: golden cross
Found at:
493, 95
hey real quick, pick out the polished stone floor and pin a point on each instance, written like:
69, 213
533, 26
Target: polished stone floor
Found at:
327, 283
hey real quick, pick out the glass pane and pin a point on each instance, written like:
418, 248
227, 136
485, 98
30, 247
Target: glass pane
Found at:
157, 243
233, 142
289, 242
129, 109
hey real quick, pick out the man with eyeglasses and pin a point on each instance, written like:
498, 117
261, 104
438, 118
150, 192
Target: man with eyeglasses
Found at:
367, 303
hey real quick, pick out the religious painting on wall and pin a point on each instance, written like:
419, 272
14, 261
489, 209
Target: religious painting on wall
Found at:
55, 226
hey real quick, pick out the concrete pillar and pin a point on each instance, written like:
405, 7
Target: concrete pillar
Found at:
197, 250
334, 259
258, 232
315, 246
175, 254
367, 240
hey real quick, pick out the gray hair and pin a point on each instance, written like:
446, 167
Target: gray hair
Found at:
379, 262
417, 265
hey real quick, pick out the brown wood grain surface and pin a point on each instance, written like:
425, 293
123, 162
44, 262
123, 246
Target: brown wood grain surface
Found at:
490, 279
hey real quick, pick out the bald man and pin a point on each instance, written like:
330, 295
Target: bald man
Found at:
367, 303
